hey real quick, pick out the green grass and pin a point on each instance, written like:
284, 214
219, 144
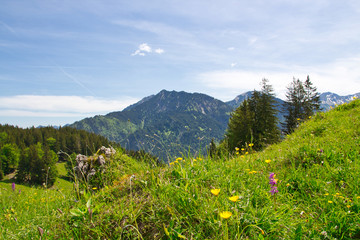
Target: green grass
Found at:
318, 172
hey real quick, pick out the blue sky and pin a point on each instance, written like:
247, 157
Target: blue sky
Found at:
62, 61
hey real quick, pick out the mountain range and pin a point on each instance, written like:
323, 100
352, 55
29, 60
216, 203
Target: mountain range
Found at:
171, 124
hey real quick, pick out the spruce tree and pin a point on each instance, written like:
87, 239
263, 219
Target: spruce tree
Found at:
255, 121
240, 127
302, 101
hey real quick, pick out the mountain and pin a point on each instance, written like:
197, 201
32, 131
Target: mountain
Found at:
329, 99
170, 123
167, 124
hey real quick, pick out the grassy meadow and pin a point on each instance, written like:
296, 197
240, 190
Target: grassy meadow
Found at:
317, 195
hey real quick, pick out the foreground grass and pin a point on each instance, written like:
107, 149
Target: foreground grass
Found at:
25, 209
318, 196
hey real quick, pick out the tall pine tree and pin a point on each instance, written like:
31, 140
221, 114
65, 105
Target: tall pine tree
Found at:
255, 121
302, 101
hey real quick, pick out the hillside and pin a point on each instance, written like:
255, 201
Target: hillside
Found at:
316, 171
166, 124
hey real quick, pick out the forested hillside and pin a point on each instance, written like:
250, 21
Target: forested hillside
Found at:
38, 148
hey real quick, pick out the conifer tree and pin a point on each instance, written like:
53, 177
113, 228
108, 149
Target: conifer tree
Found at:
240, 127
302, 101
255, 121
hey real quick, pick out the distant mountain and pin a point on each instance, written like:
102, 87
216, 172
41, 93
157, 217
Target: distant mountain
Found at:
164, 124
329, 99
239, 99
172, 123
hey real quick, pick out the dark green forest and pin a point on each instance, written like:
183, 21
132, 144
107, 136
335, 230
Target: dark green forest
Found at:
34, 151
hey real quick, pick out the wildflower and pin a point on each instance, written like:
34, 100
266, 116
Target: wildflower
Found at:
267, 160
172, 163
272, 182
242, 149
348, 206
215, 191
251, 144
326, 194
288, 184
246, 153
225, 214
13, 186
330, 201
237, 149
179, 159
309, 117
234, 198
94, 188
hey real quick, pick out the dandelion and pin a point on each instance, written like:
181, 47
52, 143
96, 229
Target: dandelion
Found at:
246, 153
94, 188
330, 201
215, 191
234, 198
242, 149
348, 206
237, 149
267, 160
251, 144
225, 214
179, 159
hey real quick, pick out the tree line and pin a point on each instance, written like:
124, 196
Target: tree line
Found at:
34, 151
254, 121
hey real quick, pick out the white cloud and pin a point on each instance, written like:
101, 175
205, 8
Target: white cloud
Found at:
59, 106
231, 48
159, 51
233, 64
144, 48
341, 76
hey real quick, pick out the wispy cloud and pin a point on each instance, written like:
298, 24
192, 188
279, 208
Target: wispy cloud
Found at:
144, 49
326, 77
61, 106
7, 27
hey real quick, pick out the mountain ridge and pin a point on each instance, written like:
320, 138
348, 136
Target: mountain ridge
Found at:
173, 123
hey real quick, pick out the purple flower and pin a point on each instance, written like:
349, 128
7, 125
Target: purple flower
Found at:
272, 182
13, 186
273, 190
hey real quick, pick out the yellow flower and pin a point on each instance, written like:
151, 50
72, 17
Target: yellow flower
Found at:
298, 119
326, 194
330, 201
246, 153
267, 160
234, 198
242, 149
309, 117
358, 197
225, 214
236, 149
251, 144
288, 184
348, 206
179, 159
237, 153
215, 191
172, 163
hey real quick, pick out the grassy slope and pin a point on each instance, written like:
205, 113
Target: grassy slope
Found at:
318, 175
